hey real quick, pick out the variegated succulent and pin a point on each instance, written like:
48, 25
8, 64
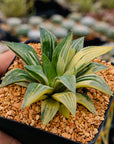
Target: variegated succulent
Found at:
65, 68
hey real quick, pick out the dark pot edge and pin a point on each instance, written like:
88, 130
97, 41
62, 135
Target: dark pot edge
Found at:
25, 125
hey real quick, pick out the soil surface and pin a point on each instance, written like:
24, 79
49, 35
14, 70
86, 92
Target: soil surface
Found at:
81, 128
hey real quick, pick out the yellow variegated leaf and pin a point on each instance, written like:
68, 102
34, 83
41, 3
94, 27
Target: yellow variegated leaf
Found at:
35, 92
91, 68
87, 54
68, 99
93, 81
86, 101
64, 111
49, 108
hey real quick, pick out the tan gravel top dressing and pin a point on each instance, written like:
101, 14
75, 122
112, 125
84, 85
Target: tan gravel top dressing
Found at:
81, 128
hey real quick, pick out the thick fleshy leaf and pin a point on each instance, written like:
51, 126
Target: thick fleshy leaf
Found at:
76, 46
49, 108
93, 81
35, 92
68, 99
16, 75
24, 84
37, 73
48, 68
92, 68
85, 55
61, 53
48, 42
86, 102
69, 81
25, 52
64, 111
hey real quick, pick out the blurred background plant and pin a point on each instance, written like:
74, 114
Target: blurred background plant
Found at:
16, 8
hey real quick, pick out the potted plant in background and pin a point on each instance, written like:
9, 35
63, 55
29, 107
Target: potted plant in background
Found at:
57, 83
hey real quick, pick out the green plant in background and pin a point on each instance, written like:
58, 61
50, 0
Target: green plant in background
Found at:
65, 68
107, 4
15, 8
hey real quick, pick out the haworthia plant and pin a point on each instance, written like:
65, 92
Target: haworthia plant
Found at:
65, 67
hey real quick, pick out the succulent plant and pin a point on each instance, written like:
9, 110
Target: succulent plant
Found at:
88, 21
65, 68
75, 16
34, 34
23, 29
81, 30
101, 27
56, 18
13, 21
47, 25
35, 20
110, 33
60, 32
68, 24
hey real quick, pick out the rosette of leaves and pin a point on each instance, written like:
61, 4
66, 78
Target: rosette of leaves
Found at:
65, 68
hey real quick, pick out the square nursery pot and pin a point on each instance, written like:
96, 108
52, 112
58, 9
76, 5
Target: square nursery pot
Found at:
27, 134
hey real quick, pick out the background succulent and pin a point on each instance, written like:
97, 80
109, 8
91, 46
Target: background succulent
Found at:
60, 32
88, 21
65, 68
75, 16
101, 27
34, 34
35, 20
23, 29
110, 32
13, 21
68, 24
56, 18
80, 30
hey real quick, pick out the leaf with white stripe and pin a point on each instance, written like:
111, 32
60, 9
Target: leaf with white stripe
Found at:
68, 99
93, 81
49, 108
25, 52
35, 92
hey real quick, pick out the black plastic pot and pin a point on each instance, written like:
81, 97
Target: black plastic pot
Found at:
28, 134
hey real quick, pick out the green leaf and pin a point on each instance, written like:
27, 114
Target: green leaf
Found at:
92, 68
48, 42
35, 92
64, 111
16, 75
69, 81
93, 81
85, 55
61, 53
76, 46
37, 73
49, 108
24, 84
68, 99
48, 68
86, 102
25, 52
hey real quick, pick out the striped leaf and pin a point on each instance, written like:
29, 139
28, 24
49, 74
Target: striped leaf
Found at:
61, 53
24, 84
15, 76
25, 52
35, 92
37, 73
69, 81
48, 68
76, 46
92, 68
49, 108
48, 42
86, 102
85, 55
93, 81
64, 111
68, 99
